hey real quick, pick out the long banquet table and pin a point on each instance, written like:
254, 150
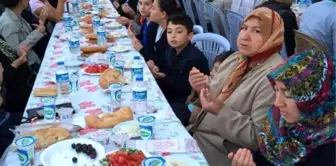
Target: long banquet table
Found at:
91, 99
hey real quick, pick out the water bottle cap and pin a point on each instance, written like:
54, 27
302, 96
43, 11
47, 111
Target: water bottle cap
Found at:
60, 63
136, 57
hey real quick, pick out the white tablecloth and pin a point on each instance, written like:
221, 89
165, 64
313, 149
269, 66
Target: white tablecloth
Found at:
90, 98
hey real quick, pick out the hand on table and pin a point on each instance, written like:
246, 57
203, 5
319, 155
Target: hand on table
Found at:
197, 79
209, 102
242, 157
123, 20
136, 44
157, 74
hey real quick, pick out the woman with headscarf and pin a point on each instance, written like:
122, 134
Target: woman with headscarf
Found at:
18, 77
300, 128
238, 97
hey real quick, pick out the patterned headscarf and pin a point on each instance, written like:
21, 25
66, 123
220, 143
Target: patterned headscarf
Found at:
309, 78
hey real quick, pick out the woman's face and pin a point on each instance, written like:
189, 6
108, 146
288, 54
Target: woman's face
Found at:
156, 14
214, 69
145, 7
287, 106
250, 39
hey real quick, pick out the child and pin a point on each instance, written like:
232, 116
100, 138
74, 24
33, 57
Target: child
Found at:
147, 26
179, 60
159, 14
217, 62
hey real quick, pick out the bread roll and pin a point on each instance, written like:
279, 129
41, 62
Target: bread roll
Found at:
93, 49
45, 92
109, 120
93, 38
110, 76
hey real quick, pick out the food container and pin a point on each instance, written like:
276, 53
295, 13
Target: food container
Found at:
115, 89
26, 150
103, 137
48, 107
65, 114
120, 139
157, 161
146, 127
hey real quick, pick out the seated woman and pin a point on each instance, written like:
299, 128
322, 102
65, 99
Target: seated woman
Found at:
18, 77
161, 10
238, 97
300, 128
54, 14
17, 32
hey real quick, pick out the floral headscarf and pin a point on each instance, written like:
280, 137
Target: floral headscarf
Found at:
309, 77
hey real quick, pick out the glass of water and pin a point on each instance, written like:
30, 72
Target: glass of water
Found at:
74, 81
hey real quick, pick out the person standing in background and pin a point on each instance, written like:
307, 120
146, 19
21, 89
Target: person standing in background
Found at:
244, 7
319, 22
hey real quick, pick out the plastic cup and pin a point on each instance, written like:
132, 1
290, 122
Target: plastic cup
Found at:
65, 114
48, 106
146, 127
119, 66
157, 161
115, 89
26, 150
103, 137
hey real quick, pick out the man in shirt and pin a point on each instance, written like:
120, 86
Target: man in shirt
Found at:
244, 7
319, 22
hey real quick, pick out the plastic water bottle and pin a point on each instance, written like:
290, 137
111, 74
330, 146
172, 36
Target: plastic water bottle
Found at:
62, 79
68, 22
74, 44
75, 7
137, 69
101, 35
96, 23
139, 96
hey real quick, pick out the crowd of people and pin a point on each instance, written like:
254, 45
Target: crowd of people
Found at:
251, 108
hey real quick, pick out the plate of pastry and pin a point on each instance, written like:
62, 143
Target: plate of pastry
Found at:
78, 151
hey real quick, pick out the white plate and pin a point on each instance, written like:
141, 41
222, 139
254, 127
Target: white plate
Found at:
116, 129
73, 63
113, 25
185, 159
65, 36
91, 74
61, 153
98, 163
119, 48
119, 34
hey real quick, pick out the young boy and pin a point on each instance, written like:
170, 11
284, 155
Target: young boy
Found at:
180, 58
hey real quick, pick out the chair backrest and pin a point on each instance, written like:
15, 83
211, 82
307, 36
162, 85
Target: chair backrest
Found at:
233, 21
211, 45
304, 42
189, 10
214, 12
197, 29
201, 14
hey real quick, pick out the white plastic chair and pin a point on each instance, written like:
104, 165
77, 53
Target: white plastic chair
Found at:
234, 20
214, 12
200, 6
188, 9
211, 45
197, 29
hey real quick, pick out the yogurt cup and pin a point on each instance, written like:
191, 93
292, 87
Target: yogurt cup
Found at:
48, 107
154, 161
65, 114
26, 150
119, 66
103, 137
146, 127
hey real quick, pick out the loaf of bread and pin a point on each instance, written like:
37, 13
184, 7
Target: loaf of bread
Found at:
48, 136
45, 92
93, 38
93, 49
110, 76
109, 120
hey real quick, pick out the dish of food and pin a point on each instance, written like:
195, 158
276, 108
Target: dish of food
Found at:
73, 152
110, 76
109, 120
113, 25
123, 157
95, 69
119, 34
176, 160
128, 127
49, 136
120, 48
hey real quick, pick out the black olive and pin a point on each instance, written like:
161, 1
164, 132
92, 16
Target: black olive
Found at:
74, 159
73, 146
